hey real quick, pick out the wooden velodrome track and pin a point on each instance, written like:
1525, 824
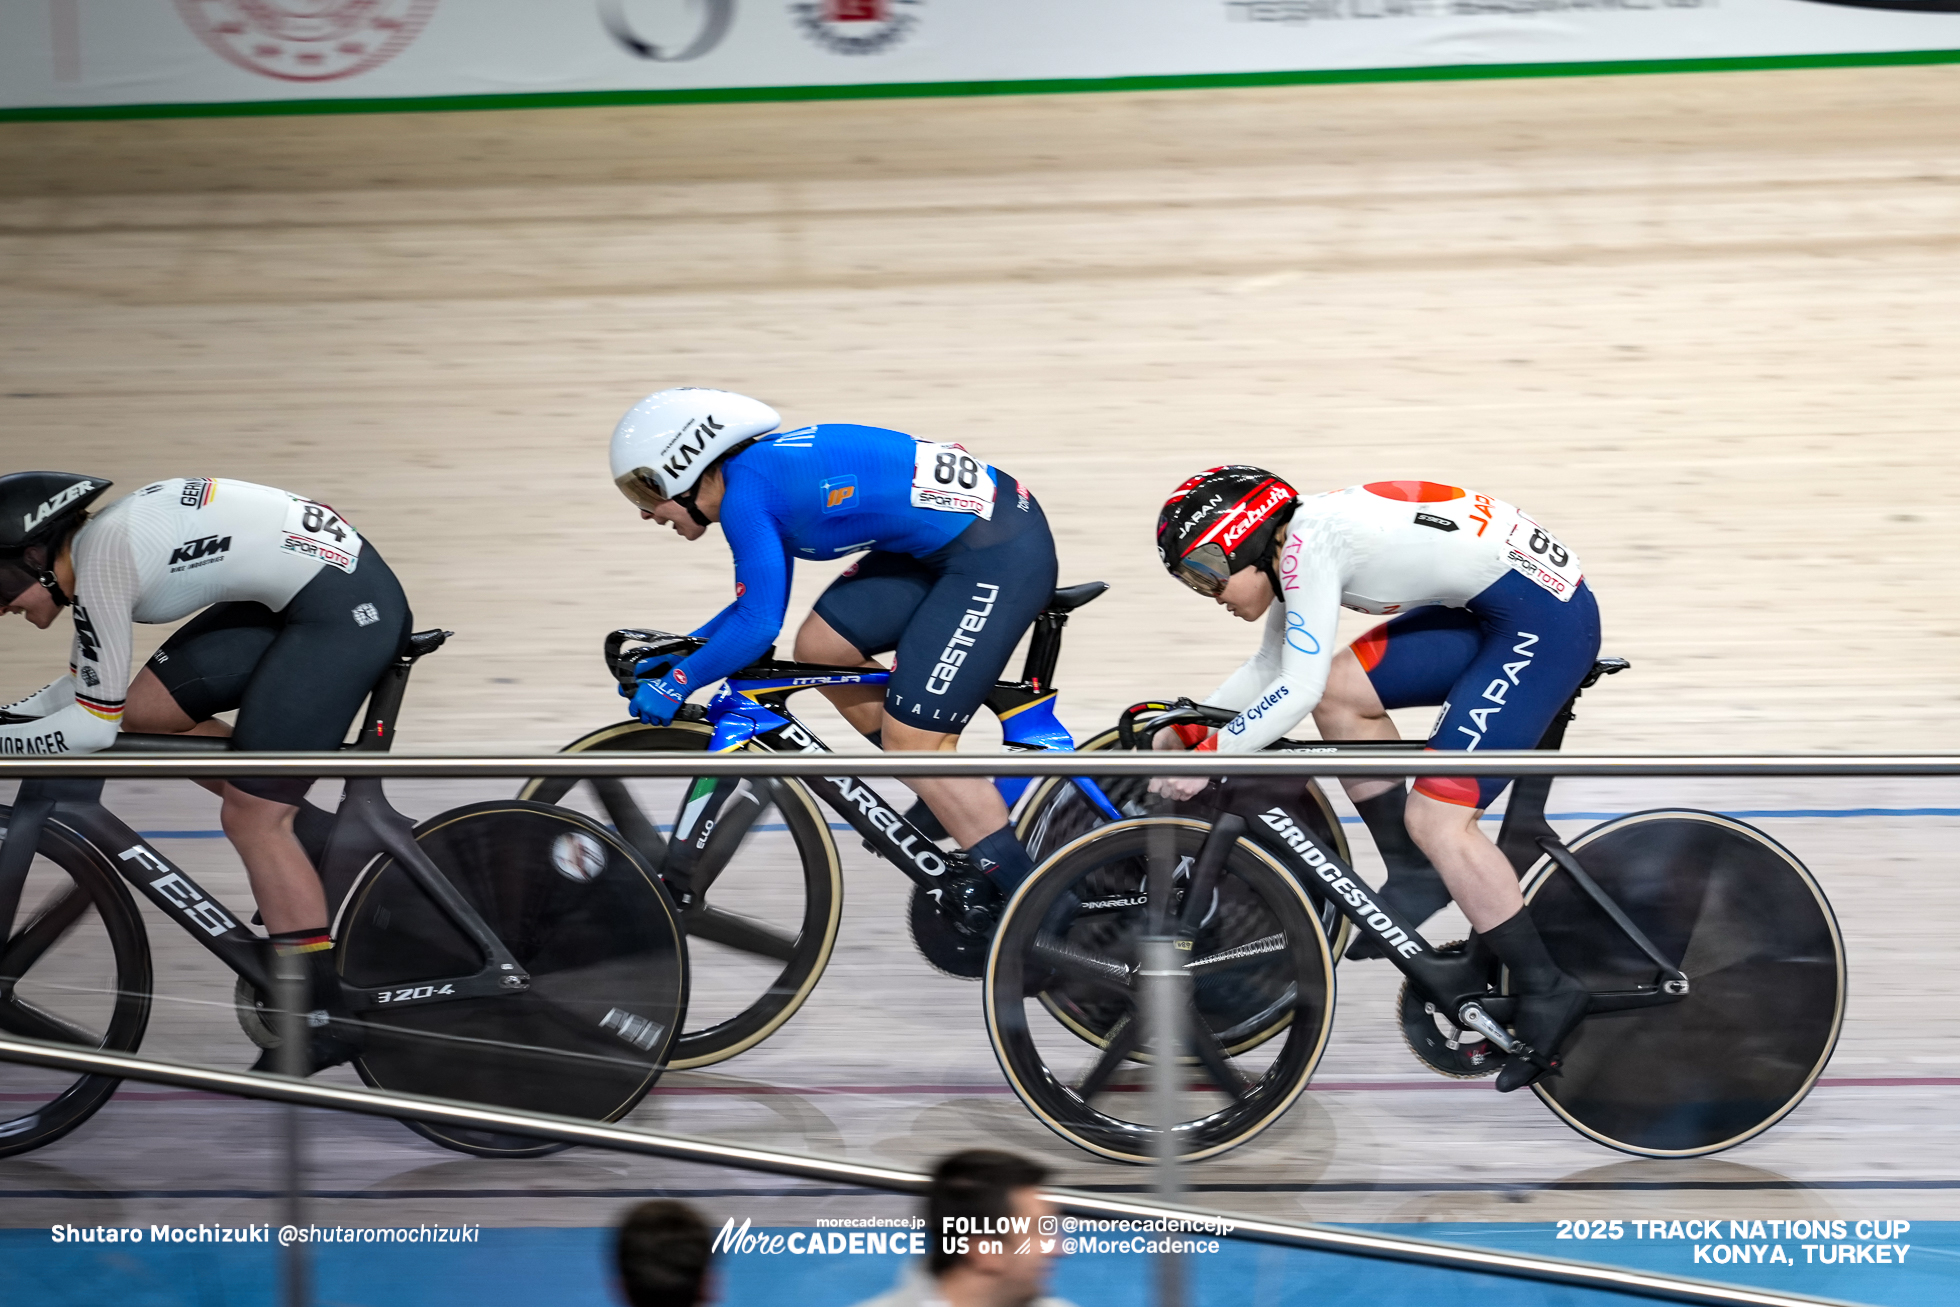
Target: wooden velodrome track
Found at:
1699, 325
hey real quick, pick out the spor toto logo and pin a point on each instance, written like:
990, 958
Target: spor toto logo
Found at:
307, 40
857, 26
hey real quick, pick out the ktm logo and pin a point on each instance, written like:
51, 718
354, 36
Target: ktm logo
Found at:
684, 452
192, 550
86, 642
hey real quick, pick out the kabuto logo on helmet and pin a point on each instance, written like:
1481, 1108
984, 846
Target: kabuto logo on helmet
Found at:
1249, 519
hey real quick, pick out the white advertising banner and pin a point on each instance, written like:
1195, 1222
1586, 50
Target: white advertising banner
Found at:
76, 54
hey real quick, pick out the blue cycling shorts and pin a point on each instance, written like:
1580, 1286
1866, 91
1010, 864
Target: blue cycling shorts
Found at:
1502, 668
953, 617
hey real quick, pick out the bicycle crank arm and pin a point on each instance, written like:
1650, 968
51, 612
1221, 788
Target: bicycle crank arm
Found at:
1626, 1000
491, 982
1471, 1016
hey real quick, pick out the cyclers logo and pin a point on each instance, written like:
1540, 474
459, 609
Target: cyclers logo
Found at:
1383, 925
1237, 726
889, 823
196, 553
682, 454
954, 654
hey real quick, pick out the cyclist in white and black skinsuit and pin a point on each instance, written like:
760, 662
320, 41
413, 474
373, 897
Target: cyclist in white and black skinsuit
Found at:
1494, 621
301, 616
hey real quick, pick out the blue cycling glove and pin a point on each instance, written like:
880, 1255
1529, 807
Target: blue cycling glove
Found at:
656, 701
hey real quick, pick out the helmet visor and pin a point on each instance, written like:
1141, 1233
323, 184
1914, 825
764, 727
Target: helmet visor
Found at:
15, 577
1205, 569
639, 487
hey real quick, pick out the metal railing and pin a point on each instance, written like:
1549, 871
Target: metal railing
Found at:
1324, 1239
1330, 760
1318, 760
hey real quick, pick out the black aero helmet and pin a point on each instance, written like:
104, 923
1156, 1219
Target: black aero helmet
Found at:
1222, 521
37, 510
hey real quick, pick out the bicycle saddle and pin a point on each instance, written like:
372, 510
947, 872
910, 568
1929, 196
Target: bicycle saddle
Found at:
425, 642
1071, 597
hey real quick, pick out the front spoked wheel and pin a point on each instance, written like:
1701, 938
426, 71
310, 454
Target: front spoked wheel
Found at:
1055, 812
74, 969
580, 911
766, 897
1765, 964
1261, 989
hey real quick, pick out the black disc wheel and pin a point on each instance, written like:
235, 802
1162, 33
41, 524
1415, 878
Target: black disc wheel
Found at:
75, 969
1055, 811
1065, 964
763, 906
580, 911
1747, 923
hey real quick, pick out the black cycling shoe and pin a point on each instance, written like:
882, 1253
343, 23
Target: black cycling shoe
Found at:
1543, 1022
329, 1043
954, 929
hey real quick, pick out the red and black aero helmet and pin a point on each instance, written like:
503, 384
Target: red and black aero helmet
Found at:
1222, 521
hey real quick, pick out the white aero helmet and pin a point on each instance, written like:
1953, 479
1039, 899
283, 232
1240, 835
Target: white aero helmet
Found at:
667, 440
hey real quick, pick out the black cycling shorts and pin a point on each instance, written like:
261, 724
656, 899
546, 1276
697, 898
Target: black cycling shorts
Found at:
953, 616
298, 676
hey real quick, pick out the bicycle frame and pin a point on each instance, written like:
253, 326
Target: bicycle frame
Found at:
364, 827
1457, 982
750, 710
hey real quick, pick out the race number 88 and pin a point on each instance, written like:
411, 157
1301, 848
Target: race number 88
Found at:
950, 467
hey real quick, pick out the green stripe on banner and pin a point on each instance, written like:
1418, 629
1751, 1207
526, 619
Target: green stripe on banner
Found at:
917, 90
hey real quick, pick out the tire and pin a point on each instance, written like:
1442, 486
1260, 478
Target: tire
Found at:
1288, 988
88, 983
581, 912
787, 879
1053, 812
1764, 959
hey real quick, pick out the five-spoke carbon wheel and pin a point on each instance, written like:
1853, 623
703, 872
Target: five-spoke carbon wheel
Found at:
1747, 923
75, 969
1064, 970
580, 911
766, 899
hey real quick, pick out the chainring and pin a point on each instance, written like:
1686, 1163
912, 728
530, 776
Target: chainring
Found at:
951, 950
1437, 1042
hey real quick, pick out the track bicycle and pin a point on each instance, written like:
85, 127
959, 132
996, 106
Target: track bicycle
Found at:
1716, 967
507, 953
753, 865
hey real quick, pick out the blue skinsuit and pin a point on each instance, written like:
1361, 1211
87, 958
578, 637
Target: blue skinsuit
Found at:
826, 491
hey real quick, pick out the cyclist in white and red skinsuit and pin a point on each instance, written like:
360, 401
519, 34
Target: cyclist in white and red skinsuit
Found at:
1493, 620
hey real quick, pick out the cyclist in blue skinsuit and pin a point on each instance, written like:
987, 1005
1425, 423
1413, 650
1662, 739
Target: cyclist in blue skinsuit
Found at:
959, 562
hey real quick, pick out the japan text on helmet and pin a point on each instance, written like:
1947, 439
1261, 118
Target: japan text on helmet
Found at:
37, 512
1221, 521
664, 444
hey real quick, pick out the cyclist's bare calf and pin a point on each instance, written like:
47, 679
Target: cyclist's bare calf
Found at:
283, 878
1479, 877
969, 807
